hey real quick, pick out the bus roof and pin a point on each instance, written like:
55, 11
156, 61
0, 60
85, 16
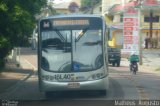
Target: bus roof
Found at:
72, 15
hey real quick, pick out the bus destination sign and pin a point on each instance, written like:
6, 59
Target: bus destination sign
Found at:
70, 22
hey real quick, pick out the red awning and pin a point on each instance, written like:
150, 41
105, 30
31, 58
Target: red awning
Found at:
146, 4
150, 2
121, 7
131, 4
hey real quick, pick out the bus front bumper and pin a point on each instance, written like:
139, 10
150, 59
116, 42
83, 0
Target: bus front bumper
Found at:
100, 84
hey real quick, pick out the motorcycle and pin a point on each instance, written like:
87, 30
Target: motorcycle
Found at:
134, 67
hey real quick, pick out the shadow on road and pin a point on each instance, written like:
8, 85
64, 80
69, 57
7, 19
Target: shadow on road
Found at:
11, 75
74, 95
17, 70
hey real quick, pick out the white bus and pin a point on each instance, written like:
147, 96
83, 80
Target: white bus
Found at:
72, 54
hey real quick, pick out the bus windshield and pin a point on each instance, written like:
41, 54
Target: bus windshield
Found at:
71, 50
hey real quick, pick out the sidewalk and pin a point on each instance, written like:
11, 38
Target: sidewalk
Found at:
11, 75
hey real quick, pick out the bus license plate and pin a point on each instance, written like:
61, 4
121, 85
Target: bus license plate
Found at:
73, 85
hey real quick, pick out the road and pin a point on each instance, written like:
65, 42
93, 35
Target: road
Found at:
123, 85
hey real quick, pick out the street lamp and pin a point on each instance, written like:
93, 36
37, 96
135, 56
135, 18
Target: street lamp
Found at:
151, 23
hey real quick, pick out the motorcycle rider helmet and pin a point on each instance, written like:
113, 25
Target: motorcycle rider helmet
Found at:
133, 53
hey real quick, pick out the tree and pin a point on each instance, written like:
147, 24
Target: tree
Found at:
17, 21
73, 7
47, 11
89, 4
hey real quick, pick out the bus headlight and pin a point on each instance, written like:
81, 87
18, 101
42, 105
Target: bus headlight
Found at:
97, 76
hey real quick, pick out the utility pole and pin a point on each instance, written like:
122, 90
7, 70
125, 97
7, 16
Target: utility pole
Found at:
140, 35
151, 25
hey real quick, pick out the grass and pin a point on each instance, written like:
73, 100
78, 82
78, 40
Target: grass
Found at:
158, 69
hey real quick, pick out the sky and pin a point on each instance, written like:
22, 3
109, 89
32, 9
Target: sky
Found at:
59, 1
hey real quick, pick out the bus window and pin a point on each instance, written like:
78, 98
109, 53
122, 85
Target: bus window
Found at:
60, 49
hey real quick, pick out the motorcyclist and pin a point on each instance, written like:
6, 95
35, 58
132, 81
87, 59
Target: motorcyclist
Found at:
133, 59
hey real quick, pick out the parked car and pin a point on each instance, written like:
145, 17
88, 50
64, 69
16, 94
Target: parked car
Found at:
114, 56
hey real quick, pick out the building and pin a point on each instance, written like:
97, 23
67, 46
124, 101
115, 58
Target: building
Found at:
97, 9
150, 32
63, 8
115, 19
107, 4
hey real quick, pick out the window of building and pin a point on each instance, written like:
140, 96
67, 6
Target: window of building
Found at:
154, 19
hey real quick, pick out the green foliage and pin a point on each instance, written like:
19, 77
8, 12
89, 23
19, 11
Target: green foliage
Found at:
89, 3
17, 21
158, 69
5, 47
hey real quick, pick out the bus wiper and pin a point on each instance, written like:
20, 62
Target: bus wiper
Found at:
81, 34
60, 35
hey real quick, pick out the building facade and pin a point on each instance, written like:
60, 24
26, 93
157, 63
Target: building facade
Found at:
149, 23
150, 31
63, 7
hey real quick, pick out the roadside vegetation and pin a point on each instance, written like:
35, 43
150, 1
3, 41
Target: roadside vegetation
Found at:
89, 4
17, 21
158, 69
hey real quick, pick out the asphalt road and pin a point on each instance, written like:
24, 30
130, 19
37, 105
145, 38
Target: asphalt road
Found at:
123, 85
